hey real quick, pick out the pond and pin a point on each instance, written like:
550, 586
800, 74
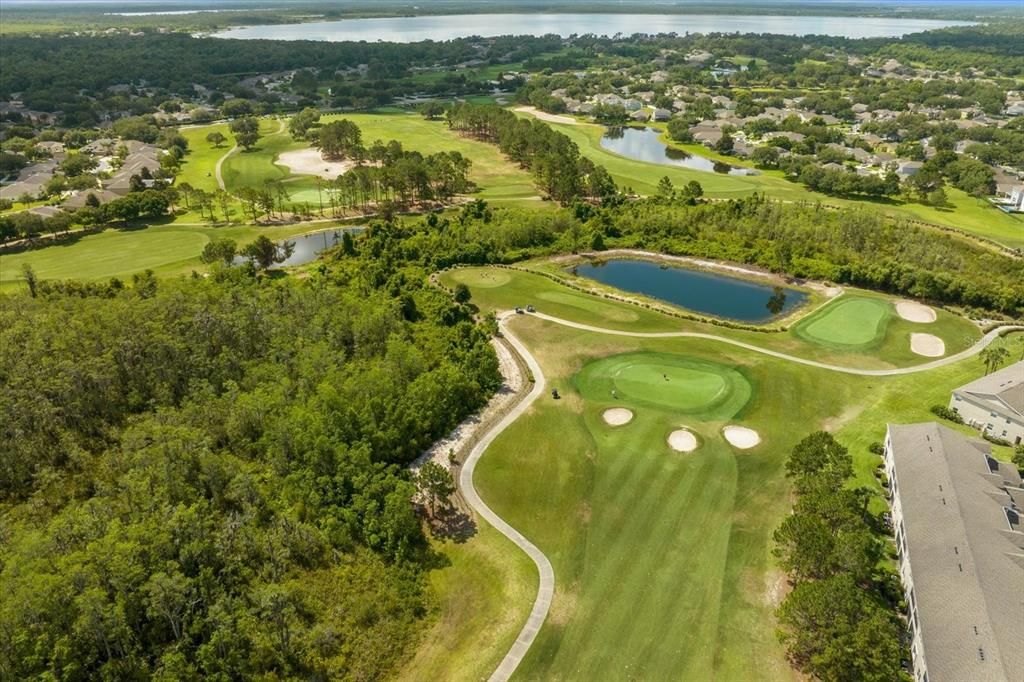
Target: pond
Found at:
450, 27
309, 246
703, 292
643, 144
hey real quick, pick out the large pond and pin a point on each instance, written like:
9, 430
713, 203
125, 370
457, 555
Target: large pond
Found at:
703, 292
643, 144
449, 27
309, 246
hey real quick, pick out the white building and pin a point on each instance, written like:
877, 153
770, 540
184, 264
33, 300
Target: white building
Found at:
994, 403
956, 513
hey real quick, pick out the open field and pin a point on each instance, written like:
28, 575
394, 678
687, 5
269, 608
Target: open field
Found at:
662, 559
197, 168
964, 213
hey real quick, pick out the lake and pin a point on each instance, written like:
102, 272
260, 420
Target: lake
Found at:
643, 144
309, 246
703, 292
450, 27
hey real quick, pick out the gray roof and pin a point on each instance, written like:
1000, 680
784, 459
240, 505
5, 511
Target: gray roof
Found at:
1005, 386
966, 552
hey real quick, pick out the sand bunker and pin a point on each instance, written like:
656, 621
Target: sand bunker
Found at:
682, 440
927, 345
311, 162
617, 416
741, 437
545, 116
912, 311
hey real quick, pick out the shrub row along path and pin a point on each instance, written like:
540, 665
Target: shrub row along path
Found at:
546, 587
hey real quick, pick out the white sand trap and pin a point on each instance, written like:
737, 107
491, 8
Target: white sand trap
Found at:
617, 416
912, 311
927, 345
741, 437
311, 162
682, 440
545, 116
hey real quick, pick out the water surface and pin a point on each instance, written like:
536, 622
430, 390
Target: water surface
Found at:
703, 292
309, 246
643, 144
450, 27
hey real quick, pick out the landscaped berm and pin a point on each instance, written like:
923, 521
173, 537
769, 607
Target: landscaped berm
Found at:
676, 384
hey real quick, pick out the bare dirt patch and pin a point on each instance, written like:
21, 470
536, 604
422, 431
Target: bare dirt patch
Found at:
545, 116
741, 437
912, 311
311, 162
682, 440
617, 416
927, 345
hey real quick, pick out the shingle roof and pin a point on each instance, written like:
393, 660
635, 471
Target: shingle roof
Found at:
965, 550
1007, 385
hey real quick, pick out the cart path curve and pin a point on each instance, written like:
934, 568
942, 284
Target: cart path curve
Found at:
981, 344
546, 586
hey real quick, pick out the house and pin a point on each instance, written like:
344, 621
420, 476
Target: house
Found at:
632, 104
78, 199
995, 402
32, 186
956, 516
661, 114
908, 168
640, 116
706, 134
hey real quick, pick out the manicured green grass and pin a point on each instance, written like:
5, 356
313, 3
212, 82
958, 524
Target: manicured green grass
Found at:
197, 166
850, 321
662, 559
254, 167
500, 289
166, 249
666, 382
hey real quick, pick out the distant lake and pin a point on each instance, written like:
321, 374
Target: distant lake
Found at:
709, 293
450, 27
643, 144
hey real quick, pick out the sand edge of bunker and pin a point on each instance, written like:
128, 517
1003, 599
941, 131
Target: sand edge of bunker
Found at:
683, 440
912, 311
617, 416
927, 345
741, 437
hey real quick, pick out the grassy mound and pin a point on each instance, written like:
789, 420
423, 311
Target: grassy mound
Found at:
667, 382
850, 322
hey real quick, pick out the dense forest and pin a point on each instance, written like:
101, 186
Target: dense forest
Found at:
204, 478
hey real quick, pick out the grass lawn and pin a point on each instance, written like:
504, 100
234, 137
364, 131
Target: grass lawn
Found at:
662, 559
166, 249
502, 289
850, 321
197, 166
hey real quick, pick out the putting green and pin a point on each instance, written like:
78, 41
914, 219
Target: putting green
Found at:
672, 383
849, 322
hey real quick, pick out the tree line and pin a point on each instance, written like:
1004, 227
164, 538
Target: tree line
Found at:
841, 620
553, 159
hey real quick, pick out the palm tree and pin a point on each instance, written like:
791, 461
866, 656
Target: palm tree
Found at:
993, 357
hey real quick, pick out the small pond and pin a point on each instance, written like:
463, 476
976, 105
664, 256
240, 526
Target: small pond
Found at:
643, 144
309, 246
703, 292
